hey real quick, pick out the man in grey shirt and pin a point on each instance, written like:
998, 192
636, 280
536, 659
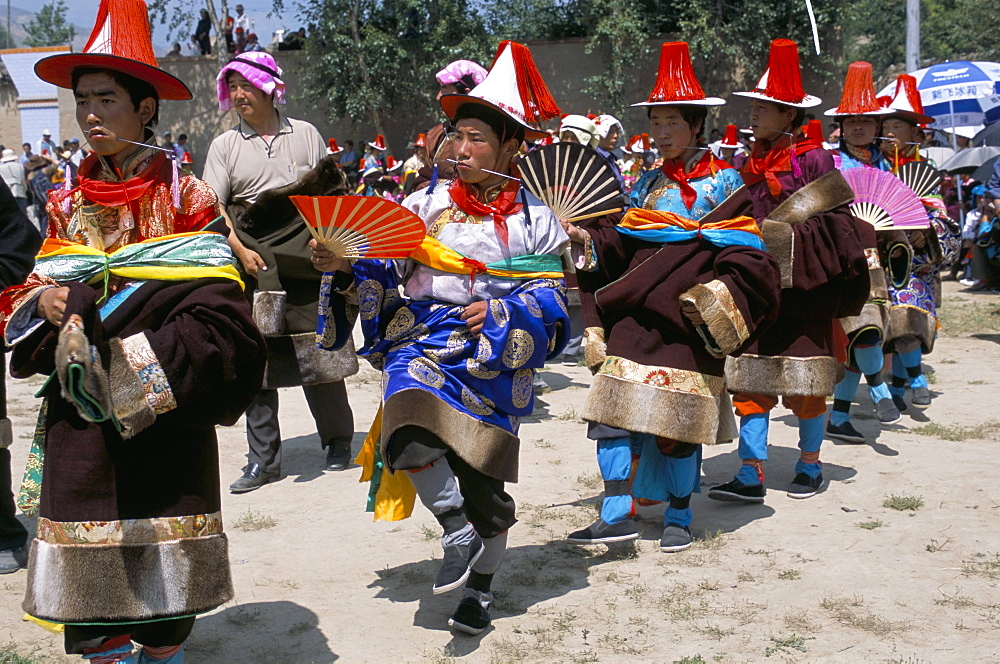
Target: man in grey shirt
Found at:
12, 172
264, 151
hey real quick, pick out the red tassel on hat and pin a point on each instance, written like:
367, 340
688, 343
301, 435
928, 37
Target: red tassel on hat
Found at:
859, 91
909, 86
675, 79
538, 102
784, 78
646, 145
814, 130
730, 137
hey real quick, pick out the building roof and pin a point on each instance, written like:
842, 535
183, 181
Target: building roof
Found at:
20, 65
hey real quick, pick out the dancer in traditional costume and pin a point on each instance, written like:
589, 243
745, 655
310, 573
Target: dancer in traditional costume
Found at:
682, 282
137, 310
800, 200
860, 116
915, 258
483, 306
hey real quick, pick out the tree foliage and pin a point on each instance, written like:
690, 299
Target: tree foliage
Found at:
49, 26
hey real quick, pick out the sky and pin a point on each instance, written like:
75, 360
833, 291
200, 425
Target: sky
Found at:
82, 13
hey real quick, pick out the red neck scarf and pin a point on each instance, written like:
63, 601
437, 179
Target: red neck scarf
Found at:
674, 169
117, 194
766, 161
503, 205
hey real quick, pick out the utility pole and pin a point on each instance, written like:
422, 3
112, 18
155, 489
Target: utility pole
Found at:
912, 35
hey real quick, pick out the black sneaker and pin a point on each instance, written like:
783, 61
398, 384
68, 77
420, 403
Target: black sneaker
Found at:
738, 492
887, 412
605, 533
921, 398
675, 538
899, 402
12, 560
845, 432
804, 486
457, 563
473, 613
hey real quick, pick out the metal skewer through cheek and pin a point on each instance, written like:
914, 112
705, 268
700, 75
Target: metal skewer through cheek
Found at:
486, 170
145, 145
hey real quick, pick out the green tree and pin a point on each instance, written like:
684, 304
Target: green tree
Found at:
619, 34
49, 26
6, 39
366, 59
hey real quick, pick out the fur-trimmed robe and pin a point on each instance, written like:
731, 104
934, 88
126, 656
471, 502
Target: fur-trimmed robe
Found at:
810, 231
286, 295
660, 376
131, 530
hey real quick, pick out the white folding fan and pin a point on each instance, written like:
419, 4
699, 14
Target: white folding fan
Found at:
574, 181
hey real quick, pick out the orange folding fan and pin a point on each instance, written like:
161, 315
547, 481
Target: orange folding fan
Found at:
361, 226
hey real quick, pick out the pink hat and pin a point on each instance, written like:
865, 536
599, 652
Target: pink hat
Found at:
260, 69
466, 72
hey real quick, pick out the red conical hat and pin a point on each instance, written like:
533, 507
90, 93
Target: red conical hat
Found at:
186, 159
675, 80
858, 97
782, 82
906, 103
815, 130
378, 143
121, 42
730, 140
421, 141
513, 87
334, 148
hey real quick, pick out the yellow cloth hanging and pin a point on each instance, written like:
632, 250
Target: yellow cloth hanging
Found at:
55, 628
396, 495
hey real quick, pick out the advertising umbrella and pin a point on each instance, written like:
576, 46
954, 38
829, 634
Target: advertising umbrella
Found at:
958, 94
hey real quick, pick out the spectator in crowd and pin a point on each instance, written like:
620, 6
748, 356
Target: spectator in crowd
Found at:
201, 32
349, 161
175, 50
293, 41
12, 173
182, 148
27, 154
39, 176
46, 146
252, 44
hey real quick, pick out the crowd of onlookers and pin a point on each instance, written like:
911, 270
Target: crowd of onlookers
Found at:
239, 34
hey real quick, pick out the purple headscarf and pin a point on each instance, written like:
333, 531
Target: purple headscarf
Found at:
464, 73
260, 69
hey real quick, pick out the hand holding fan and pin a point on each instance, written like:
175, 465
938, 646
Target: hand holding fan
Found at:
360, 226
881, 199
921, 177
574, 181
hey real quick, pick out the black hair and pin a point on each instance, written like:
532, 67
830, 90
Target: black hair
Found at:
800, 115
464, 84
690, 113
504, 127
182, 137
137, 89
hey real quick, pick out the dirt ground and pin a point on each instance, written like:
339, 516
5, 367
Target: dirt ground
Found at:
842, 577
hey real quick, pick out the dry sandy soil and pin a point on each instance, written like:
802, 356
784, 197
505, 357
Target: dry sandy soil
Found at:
842, 577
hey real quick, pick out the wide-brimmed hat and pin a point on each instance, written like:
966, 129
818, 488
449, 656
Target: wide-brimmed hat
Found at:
257, 67
514, 88
582, 127
730, 140
333, 147
858, 97
675, 80
121, 42
906, 103
378, 143
8, 155
782, 81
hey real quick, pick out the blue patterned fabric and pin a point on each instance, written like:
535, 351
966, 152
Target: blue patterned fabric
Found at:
655, 191
426, 345
844, 161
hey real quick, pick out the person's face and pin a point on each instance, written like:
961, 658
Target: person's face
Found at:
476, 147
670, 132
901, 133
105, 113
450, 89
239, 10
610, 142
860, 130
770, 121
27, 148
250, 102
568, 137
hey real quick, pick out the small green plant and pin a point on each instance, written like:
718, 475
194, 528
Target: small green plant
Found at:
428, 533
696, 659
958, 434
250, 521
981, 564
789, 575
871, 525
786, 645
9, 654
936, 546
591, 481
903, 503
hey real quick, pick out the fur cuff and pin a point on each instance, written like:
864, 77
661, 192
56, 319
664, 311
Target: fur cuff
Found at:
778, 375
126, 583
779, 239
6, 433
726, 327
873, 316
269, 312
907, 320
826, 192
82, 378
595, 349
135, 373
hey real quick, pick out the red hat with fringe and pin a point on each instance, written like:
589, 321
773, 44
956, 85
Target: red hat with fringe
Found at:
334, 148
782, 81
379, 143
513, 87
858, 97
730, 140
906, 103
421, 141
121, 42
675, 80
814, 130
